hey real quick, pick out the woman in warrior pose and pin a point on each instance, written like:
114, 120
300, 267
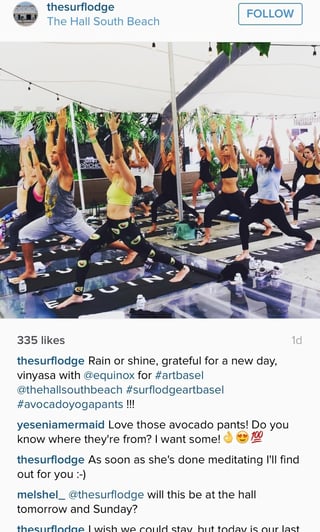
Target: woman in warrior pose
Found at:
268, 164
229, 197
310, 159
168, 186
120, 224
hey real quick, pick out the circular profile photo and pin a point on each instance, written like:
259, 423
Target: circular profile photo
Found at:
25, 13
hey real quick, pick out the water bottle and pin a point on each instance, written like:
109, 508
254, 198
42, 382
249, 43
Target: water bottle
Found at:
140, 302
238, 282
22, 286
3, 229
252, 264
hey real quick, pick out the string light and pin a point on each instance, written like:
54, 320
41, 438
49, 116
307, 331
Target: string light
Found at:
102, 111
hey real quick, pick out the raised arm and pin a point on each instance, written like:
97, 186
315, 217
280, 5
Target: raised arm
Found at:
100, 155
233, 155
162, 150
202, 142
117, 151
216, 147
50, 129
41, 181
66, 173
316, 145
276, 146
250, 160
139, 151
292, 147
25, 162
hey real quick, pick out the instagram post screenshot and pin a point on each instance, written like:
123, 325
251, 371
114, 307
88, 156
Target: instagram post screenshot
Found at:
159, 167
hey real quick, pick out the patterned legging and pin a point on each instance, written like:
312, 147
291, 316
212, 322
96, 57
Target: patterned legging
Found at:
127, 231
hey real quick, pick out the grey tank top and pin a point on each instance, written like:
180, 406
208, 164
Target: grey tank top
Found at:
59, 203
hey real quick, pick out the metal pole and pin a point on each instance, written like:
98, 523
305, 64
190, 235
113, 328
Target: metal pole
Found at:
175, 130
76, 147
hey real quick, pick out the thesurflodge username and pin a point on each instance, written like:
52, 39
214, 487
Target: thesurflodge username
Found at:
82, 16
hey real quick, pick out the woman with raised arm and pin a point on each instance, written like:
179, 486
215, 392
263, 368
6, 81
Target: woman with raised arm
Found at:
268, 164
205, 176
120, 224
34, 183
169, 186
310, 159
229, 197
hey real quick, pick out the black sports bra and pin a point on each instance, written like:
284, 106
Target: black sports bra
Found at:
228, 173
312, 170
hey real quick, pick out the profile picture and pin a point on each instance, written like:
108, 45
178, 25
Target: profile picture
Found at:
25, 13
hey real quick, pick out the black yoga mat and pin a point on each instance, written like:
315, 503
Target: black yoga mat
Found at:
66, 251
281, 253
47, 242
224, 242
125, 294
67, 275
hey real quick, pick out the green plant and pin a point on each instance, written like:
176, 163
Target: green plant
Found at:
9, 167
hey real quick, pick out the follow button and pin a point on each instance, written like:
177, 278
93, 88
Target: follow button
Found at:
268, 14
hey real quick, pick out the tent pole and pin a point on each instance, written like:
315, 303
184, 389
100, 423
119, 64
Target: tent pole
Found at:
76, 147
175, 130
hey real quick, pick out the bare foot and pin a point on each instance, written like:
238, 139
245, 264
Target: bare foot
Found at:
180, 275
244, 255
152, 229
268, 231
70, 301
65, 239
310, 245
129, 258
286, 207
10, 257
23, 276
204, 241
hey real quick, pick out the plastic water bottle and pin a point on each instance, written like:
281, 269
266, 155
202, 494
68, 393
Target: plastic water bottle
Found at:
140, 302
22, 287
238, 282
252, 264
3, 229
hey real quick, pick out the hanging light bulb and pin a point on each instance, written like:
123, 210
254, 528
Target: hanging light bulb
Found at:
153, 45
314, 50
210, 48
29, 87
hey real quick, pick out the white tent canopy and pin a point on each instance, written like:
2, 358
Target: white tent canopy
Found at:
134, 77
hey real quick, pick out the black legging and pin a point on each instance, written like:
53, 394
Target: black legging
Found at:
234, 202
20, 222
304, 192
273, 212
163, 198
127, 231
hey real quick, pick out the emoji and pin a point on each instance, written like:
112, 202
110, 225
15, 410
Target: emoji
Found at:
228, 437
242, 436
